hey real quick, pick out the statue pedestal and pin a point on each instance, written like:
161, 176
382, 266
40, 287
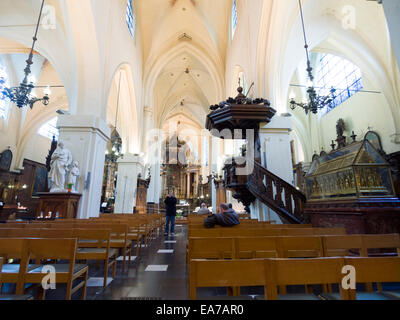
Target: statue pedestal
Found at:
66, 204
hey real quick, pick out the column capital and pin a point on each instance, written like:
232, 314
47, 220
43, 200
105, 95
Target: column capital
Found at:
130, 158
84, 123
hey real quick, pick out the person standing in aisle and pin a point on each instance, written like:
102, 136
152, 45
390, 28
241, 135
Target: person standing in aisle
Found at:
170, 214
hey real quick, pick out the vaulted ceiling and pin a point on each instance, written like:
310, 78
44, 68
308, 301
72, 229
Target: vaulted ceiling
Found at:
184, 83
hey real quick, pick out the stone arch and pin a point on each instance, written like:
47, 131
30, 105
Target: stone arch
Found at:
128, 113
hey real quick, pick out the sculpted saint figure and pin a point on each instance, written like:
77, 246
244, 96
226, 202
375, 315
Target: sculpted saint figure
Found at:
74, 173
60, 160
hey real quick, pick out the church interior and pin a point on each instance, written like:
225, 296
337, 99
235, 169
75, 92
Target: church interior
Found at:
285, 111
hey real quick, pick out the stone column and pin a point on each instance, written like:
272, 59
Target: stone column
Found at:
276, 157
275, 147
86, 137
128, 169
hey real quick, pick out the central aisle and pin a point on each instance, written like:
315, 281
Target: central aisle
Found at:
139, 281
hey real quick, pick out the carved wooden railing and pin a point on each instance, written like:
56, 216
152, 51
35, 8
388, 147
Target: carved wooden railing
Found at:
274, 192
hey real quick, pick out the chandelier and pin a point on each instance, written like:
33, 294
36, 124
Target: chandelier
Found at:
116, 146
116, 142
314, 101
24, 95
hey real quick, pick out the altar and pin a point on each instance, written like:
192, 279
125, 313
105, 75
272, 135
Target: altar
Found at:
58, 205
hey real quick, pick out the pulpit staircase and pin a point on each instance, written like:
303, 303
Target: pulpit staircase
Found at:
278, 195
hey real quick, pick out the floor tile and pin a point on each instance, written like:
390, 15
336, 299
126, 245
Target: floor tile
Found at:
121, 258
98, 282
156, 268
165, 251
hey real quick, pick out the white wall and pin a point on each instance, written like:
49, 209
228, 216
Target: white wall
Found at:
37, 148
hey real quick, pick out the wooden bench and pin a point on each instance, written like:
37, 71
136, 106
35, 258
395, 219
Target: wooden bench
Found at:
255, 247
11, 297
369, 270
225, 273
119, 235
42, 249
315, 271
254, 232
58, 249
93, 244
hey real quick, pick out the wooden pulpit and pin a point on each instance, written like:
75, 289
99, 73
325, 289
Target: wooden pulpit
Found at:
65, 204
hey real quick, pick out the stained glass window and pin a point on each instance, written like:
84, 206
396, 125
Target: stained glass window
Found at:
49, 129
130, 18
339, 73
234, 17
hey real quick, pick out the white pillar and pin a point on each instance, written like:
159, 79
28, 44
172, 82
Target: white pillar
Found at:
276, 157
86, 137
128, 170
275, 144
152, 149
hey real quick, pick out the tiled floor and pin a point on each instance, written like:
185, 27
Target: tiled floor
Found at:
143, 278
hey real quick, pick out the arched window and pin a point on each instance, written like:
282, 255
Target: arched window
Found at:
4, 82
234, 17
339, 73
130, 17
49, 129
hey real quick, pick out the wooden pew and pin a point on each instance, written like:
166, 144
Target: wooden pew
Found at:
377, 270
225, 273
4, 297
119, 235
257, 247
99, 249
253, 232
16, 249
369, 270
42, 249
360, 244
381, 241
93, 244
58, 249
210, 248
300, 247
284, 272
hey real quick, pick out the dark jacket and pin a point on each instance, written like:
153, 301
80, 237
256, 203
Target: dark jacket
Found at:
170, 206
225, 219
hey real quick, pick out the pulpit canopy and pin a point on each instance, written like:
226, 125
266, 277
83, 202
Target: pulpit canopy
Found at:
239, 113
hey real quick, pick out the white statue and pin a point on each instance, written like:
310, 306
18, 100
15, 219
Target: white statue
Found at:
60, 161
74, 173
